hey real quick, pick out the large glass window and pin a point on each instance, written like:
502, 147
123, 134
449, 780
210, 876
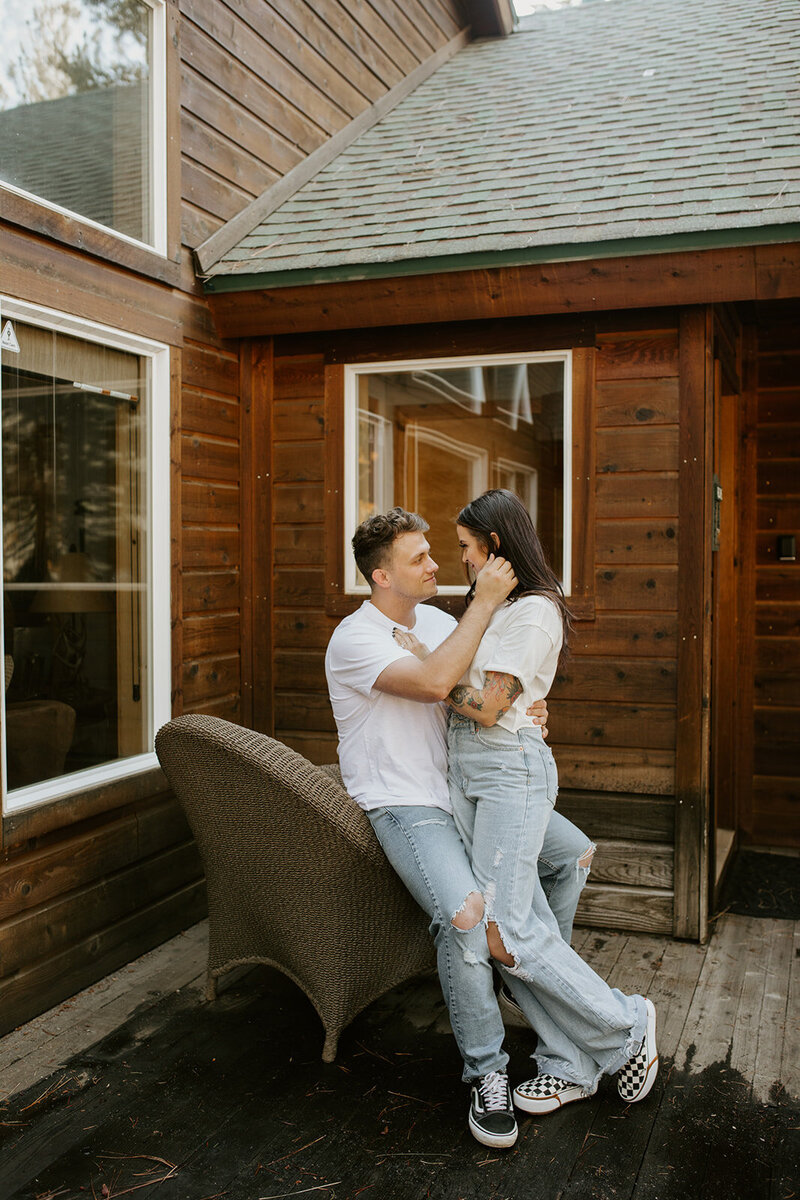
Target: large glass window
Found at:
81, 109
432, 435
78, 559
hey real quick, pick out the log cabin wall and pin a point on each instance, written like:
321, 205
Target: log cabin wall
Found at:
772, 817
613, 724
252, 88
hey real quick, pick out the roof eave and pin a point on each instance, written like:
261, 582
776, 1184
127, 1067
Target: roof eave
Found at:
522, 256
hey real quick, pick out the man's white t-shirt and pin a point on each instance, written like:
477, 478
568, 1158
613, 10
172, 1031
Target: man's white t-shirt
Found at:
391, 751
522, 639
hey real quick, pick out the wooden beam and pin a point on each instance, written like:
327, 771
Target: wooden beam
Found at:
218, 245
490, 18
694, 614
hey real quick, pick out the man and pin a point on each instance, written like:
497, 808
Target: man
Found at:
393, 757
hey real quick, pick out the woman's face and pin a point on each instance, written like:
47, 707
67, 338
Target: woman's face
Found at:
473, 553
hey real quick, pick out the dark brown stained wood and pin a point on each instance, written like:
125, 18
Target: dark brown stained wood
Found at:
643, 281
621, 634
643, 910
782, 620
639, 541
694, 570
779, 687
298, 544
206, 678
210, 547
305, 669
774, 798
778, 583
160, 823
205, 590
299, 378
780, 514
767, 543
777, 734
210, 458
176, 521
614, 680
318, 748
306, 630
236, 81
334, 486
234, 121
257, 526
623, 769
780, 478
36, 988
639, 495
298, 420
211, 415
53, 926
631, 818
228, 708
303, 710
329, 31
197, 226
778, 655
748, 614
629, 587
643, 356
215, 151
210, 370
21, 828
211, 193
779, 370
637, 449
211, 633
296, 462
583, 474
295, 503
206, 501
635, 864
778, 406
243, 44
301, 588
634, 402
611, 723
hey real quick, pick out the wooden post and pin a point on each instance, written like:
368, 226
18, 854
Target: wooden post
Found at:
747, 501
694, 625
176, 526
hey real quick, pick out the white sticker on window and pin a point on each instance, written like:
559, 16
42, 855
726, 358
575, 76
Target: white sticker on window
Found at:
8, 339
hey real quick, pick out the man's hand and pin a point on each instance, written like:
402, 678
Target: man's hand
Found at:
538, 710
495, 582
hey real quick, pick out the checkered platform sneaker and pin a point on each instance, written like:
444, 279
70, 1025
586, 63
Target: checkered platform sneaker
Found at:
491, 1113
637, 1077
546, 1093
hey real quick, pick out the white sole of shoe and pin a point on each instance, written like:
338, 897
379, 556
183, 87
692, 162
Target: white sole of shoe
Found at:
652, 1066
547, 1104
513, 1016
496, 1140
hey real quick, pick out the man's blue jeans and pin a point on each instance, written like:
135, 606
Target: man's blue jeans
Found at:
503, 787
424, 847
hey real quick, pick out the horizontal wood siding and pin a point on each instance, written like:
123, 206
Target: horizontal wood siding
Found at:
613, 707
774, 816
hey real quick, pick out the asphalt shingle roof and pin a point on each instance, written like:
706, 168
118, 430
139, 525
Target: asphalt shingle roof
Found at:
617, 119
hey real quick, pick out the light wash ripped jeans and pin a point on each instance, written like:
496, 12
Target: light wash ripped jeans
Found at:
423, 846
503, 787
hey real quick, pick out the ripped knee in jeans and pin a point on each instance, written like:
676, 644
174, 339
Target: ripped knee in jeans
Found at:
470, 914
583, 865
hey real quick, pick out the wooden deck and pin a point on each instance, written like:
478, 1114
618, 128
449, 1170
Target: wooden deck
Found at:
138, 1084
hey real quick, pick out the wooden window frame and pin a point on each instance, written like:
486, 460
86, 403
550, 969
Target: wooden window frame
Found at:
162, 260
339, 602
75, 792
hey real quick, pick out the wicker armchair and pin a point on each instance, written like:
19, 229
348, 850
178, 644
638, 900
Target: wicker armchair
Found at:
296, 878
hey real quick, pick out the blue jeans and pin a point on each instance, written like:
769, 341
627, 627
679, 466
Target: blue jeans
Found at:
424, 847
503, 787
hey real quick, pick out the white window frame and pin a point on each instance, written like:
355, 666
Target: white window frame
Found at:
158, 675
353, 585
158, 149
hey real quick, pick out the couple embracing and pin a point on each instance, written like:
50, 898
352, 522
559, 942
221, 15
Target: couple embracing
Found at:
441, 742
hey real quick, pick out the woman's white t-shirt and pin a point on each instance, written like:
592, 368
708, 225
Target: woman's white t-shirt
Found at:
523, 639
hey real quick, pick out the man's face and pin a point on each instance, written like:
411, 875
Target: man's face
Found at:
410, 569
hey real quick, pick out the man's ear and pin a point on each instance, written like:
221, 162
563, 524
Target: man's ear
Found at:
495, 541
380, 578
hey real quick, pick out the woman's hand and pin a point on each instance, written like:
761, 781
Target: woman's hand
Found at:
538, 710
409, 642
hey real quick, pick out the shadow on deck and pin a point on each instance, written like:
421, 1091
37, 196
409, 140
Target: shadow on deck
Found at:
139, 1085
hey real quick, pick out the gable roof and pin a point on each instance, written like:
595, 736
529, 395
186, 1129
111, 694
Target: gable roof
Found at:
618, 126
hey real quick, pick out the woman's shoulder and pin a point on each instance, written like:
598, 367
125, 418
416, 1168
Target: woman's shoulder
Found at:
535, 609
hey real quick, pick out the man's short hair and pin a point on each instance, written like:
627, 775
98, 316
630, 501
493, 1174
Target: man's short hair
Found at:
373, 540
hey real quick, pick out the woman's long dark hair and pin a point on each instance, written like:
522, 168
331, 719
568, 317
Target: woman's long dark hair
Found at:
502, 512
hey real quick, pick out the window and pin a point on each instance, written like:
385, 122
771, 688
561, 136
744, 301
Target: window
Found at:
86, 567
431, 435
82, 110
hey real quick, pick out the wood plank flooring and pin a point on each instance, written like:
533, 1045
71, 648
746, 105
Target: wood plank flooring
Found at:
139, 1083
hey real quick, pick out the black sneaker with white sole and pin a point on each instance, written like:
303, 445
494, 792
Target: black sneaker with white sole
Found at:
546, 1093
637, 1077
491, 1113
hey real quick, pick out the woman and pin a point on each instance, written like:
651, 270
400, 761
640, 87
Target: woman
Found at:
503, 786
